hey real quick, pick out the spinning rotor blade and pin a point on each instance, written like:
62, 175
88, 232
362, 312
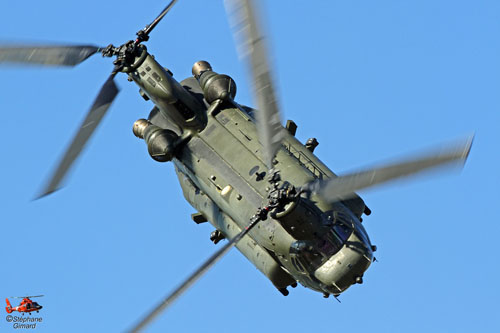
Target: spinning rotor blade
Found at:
101, 104
47, 55
144, 34
191, 279
343, 187
26, 296
252, 45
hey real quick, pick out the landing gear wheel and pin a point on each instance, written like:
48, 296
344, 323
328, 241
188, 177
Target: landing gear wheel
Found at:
284, 291
216, 236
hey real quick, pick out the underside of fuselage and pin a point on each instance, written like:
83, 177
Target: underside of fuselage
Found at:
223, 176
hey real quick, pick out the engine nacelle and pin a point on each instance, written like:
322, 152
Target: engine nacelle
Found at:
161, 142
215, 86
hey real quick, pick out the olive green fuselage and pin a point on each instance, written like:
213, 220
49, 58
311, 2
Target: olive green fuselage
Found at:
222, 173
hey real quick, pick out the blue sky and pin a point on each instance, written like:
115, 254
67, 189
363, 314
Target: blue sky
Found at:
371, 80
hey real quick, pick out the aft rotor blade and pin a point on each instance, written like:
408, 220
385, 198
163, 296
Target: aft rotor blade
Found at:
191, 279
343, 187
101, 104
47, 55
157, 20
252, 45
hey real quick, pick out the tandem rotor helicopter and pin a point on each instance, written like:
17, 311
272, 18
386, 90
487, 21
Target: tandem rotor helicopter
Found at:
246, 174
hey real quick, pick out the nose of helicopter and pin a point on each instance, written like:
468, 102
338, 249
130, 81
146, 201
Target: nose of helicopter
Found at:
347, 266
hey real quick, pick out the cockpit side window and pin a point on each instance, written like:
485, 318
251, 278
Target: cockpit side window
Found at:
342, 231
338, 234
342, 225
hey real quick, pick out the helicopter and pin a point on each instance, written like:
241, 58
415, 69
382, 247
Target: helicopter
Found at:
26, 305
280, 201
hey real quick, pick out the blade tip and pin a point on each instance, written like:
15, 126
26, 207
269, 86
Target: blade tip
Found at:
44, 193
467, 147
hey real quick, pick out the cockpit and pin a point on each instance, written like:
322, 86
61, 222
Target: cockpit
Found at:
308, 255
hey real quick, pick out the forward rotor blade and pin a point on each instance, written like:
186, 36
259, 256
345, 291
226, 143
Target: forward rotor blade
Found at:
101, 104
47, 55
252, 45
157, 20
343, 187
191, 279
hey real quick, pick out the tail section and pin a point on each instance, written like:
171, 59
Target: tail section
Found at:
8, 307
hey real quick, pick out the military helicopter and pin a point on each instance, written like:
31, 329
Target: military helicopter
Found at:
246, 174
26, 305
